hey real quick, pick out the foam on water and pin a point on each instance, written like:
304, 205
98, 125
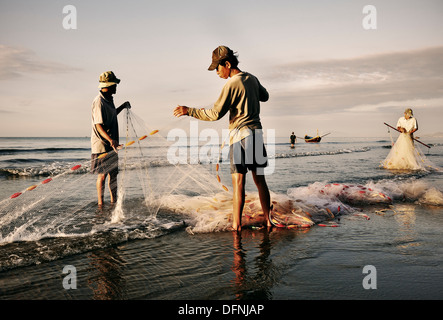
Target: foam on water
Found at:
39, 232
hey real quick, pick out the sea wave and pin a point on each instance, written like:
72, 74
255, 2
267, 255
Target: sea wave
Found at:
52, 167
32, 252
14, 151
320, 153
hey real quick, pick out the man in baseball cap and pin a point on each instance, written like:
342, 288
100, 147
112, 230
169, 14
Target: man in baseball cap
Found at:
240, 97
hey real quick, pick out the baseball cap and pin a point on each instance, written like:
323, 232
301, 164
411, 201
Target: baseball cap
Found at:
220, 53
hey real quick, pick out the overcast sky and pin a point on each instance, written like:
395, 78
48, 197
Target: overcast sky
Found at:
323, 70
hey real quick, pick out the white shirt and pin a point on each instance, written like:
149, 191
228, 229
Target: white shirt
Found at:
407, 124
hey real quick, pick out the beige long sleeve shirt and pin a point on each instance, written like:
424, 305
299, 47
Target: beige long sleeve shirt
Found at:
241, 96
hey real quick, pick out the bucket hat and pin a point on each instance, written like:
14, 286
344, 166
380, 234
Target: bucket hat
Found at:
108, 79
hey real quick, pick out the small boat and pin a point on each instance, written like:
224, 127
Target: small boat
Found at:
309, 139
315, 139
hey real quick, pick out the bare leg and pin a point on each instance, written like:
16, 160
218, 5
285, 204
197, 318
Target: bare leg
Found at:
112, 184
100, 184
265, 197
238, 183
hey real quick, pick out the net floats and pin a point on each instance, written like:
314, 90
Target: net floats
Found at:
362, 215
15, 195
76, 167
328, 225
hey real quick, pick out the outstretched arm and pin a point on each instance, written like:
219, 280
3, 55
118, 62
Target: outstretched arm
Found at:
123, 106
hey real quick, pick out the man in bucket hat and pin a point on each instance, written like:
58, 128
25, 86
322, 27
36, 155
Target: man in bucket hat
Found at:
104, 136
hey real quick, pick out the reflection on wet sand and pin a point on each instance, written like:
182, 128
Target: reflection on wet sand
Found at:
257, 285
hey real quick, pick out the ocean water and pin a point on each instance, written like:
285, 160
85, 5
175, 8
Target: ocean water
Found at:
166, 240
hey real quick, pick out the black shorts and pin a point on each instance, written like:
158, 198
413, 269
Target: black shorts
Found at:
106, 164
248, 154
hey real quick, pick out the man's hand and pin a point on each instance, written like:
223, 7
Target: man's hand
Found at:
181, 111
124, 106
114, 145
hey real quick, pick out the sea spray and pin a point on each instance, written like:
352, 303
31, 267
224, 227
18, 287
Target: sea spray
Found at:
118, 214
432, 197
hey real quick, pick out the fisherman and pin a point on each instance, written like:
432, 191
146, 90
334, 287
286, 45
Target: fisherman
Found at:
403, 155
293, 140
407, 123
105, 136
241, 96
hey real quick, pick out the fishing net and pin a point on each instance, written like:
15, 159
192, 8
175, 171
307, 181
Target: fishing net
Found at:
404, 155
163, 182
64, 204
166, 180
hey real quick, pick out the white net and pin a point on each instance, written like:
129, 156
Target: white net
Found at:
157, 191
405, 155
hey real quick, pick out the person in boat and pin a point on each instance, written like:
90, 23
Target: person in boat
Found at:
105, 136
403, 154
241, 96
293, 139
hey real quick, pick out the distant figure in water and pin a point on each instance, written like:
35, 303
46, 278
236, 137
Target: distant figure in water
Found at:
293, 140
403, 155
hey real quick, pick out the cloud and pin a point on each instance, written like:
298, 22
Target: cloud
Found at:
17, 61
341, 85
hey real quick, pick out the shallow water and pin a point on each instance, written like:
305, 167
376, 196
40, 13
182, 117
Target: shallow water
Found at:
150, 253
